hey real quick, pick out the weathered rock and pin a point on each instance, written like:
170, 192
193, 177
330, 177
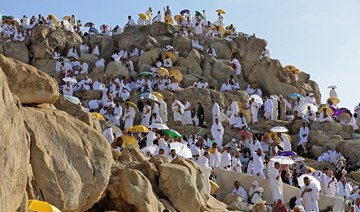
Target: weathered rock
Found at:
222, 50
78, 112
131, 154
116, 69
137, 36
164, 40
355, 175
182, 44
317, 138
130, 190
90, 59
18, 51
160, 28
189, 79
317, 150
192, 66
14, 150
149, 57
236, 202
72, 39
45, 65
107, 47
158, 160
350, 148
29, 84
221, 71
70, 160
39, 33
41, 50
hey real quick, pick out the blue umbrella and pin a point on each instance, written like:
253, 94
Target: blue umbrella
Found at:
296, 95
185, 11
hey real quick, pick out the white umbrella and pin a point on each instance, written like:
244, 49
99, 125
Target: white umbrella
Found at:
332, 86
283, 160
69, 79
298, 159
312, 179
72, 99
257, 98
279, 129
304, 108
159, 126
150, 149
181, 149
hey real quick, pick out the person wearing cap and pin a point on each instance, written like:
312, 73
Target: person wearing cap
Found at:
255, 192
310, 194
276, 183
259, 206
238, 190
225, 161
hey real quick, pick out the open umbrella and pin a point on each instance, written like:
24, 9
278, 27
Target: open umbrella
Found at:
128, 140
176, 74
67, 17
279, 129
151, 149
312, 170
41, 206
185, 11
69, 79
159, 126
169, 20
334, 100
172, 133
283, 160
150, 96
146, 74
221, 11
214, 187
240, 104
143, 16
89, 24
298, 159
72, 99
286, 153
312, 179
158, 95
171, 55
179, 18
257, 98
138, 129
246, 134
291, 68
220, 28
181, 149
295, 96
246, 114
332, 86
53, 17
132, 104
162, 71
199, 15
98, 116
329, 111
304, 108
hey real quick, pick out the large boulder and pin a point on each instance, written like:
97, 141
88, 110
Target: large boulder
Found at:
107, 47
192, 65
39, 33
136, 36
90, 59
149, 57
160, 28
115, 68
350, 148
221, 70
18, 51
72, 39
130, 190
70, 160
182, 44
14, 150
45, 65
78, 112
236, 202
222, 50
29, 84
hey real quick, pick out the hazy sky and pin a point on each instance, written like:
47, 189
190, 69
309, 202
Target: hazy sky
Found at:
320, 37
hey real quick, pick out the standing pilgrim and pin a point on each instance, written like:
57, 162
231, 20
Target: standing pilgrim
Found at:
178, 110
163, 111
186, 119
332, 92
129, 115
268, 107
276, 183
216, 111
234, 111
310, 194
217, 131
254, 109
146, 114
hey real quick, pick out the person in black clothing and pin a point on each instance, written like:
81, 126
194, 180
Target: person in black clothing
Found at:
201, 114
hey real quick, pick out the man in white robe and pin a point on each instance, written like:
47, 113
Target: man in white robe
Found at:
108, 133
130, 22
129, 115
178, 111
234, 111
333, 93
236, 66
344, 188
276, 183
236, 163
310, 194
205, 165
186, 119
285, 139
254, 109
331, 185
225, 161
215, 155
198, 29
240, 191
68, 89
146, 115
268, 107
258, 164
217, 131
163, 111
303, 134
275, 110
84, 49
216, 111
225, 87
117, 114
241, 122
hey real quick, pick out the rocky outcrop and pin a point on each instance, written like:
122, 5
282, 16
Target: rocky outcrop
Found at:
116, 69
29, 84
70, 161
18, 51
136, 36
14, 150
236, 202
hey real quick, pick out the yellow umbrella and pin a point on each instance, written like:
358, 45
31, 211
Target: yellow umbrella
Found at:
169, 20
138, 129
53, 17
288, 137
176, 74
67, 17
41, 206
335, 100
247, 115
329, 111
132, 104
221, 29
221, 11
171, 55
291, 68
312, 170
239, 105
214, 187
129, 140
158, 95
162, 71
98, 116
179, 18
143, 16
